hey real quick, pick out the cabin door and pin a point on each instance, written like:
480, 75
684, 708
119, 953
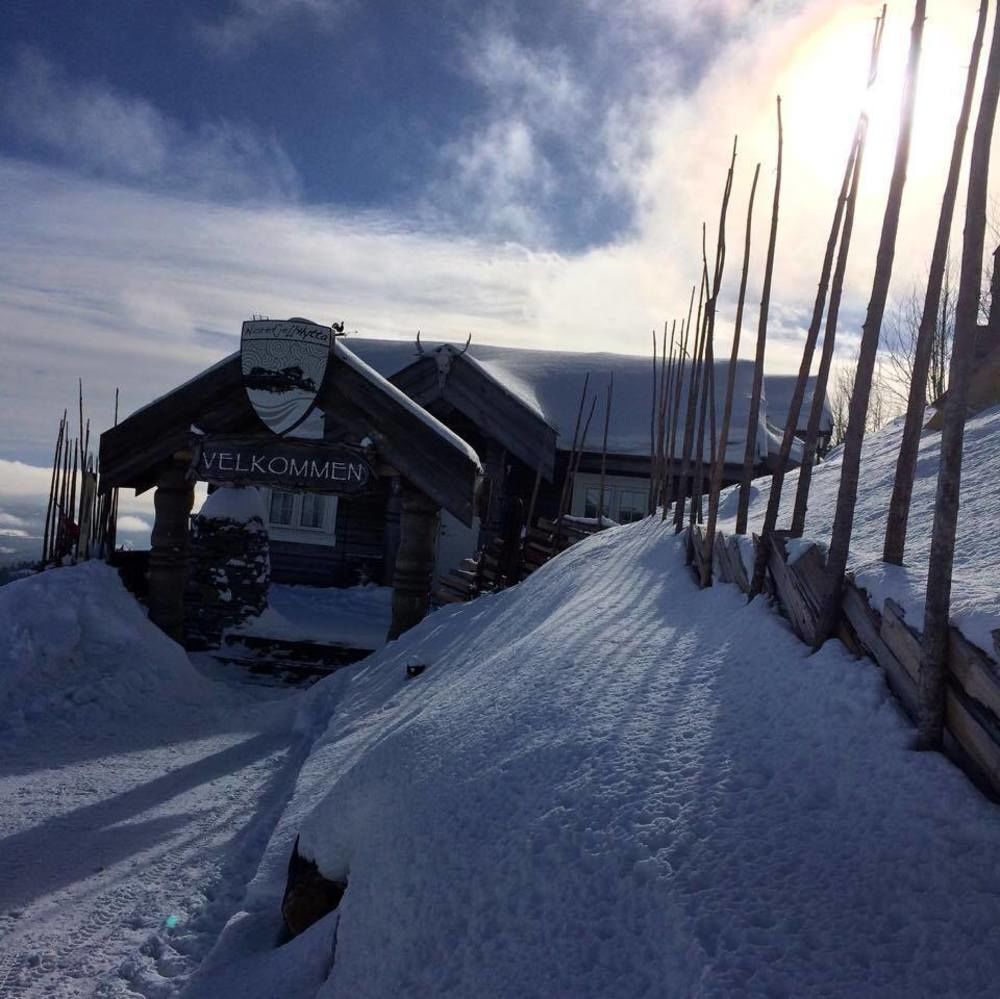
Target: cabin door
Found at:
455, 542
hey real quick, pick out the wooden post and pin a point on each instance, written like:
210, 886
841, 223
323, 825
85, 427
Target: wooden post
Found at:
906, 461
753, 418
567, 482
169, 549
653, 411
671, 488
496, 471
683, 483
604, 449
934, 660
809, 446
411, 583
727, 406
850, 467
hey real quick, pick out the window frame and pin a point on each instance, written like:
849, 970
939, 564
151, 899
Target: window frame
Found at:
298, 532
614, 486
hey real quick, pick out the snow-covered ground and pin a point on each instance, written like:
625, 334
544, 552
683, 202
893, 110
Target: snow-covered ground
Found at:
607, 783
136, 794
975, 598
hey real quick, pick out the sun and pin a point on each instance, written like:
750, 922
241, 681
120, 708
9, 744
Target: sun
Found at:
824, 86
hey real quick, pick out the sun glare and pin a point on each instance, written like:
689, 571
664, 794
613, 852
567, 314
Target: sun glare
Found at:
823, 88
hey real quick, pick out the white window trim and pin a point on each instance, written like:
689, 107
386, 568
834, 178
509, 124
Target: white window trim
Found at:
613, 487
325, 535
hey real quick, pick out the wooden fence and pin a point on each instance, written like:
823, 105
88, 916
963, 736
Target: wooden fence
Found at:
972, 721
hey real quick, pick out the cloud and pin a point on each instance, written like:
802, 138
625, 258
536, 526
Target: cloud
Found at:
88, 292
531, 164
24, 491
125, 138
18, 479
133, 524
248, 22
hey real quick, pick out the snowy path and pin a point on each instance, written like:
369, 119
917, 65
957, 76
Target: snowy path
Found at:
608, 783
122, 856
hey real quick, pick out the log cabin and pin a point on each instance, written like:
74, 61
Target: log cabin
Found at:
479, 429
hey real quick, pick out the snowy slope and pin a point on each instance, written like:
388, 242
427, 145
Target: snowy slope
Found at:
976, 578
137, 795
607, 783
77, 651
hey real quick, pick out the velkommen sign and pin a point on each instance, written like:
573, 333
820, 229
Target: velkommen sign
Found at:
311, 466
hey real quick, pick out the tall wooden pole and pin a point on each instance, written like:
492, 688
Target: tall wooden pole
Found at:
817, 407
749, 454
169, 549
50, 509
654, 450
686, 447
906, 462
843, 519
604, 448
568, 481
708, 373
934, 659
667, 381
672, 488
798, 393
829, 341
727, 406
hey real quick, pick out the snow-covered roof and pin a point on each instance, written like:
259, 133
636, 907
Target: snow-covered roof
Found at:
550, 382
779, 389
358, 364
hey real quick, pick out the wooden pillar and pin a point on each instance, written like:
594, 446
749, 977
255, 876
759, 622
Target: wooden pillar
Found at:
170, 544
411, 583
496, 471
390, 536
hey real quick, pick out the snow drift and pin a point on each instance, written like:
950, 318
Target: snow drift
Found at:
78, 650
975, 599
607, 783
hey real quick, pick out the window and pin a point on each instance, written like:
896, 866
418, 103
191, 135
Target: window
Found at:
625, 497
309, 518
281, 508
631, 505
312, 511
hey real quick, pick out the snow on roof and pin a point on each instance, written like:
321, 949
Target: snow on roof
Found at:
349, 357
243, 505
779, 389
177, 388
506, 381
551, 381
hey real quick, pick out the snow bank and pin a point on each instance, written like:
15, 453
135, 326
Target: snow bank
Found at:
975, 598
608, 783
78, 650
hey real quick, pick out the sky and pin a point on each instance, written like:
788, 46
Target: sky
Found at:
535, 174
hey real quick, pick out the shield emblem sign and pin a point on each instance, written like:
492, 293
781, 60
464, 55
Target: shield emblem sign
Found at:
283, 367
